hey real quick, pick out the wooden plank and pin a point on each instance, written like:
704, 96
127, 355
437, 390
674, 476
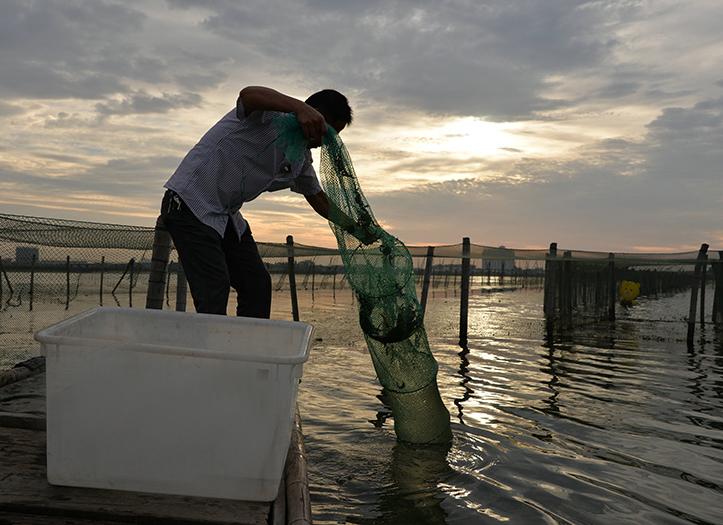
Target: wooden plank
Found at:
24, 519
26, 491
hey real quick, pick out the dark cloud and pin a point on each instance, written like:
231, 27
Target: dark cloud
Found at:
705, 116
144, 103
619, 89
86, 49
68, 49
137, 180
463, 58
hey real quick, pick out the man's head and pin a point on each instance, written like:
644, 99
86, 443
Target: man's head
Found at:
334, 106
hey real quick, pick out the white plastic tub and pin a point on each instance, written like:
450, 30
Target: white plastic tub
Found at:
172, 402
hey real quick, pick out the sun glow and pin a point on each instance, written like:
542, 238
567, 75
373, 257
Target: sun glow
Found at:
473, 136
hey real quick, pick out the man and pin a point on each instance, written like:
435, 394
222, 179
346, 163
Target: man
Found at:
234, 163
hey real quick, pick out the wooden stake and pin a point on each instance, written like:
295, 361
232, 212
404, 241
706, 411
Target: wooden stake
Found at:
703, 271
464, 305
162, 245
67, 282
32, 280
717, 267
292, 277
694, 293
566, 290
612, 288
427, 275
550, 285
102, 274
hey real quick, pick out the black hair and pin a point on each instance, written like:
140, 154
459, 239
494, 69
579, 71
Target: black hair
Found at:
332, 105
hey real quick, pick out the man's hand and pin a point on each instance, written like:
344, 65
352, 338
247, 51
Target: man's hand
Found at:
312, 123
266, 99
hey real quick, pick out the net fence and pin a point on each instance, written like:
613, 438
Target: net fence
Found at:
51, 269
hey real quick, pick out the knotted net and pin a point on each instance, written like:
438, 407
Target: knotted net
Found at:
379, 269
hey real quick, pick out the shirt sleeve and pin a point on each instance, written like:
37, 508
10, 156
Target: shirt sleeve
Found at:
307, 182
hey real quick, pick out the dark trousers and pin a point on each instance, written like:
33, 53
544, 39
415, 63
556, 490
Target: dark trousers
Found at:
213, 264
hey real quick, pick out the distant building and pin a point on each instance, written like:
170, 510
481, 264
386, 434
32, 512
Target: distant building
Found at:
24, 254
499, 264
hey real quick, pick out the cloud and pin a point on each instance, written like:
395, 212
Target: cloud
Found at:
612, 108
67, 49
660, 190
143, 103
455, 58
9, 110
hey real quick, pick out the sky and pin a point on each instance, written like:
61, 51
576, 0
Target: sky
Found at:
597, 125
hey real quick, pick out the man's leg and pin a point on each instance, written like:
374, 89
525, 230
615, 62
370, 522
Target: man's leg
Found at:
199, 249
249, 276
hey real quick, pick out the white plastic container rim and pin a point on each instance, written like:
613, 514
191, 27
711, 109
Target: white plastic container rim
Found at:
46, 336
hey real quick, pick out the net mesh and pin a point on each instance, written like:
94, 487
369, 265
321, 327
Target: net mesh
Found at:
380, 270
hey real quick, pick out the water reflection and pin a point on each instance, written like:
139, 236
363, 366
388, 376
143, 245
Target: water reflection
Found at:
608, 423
464, 373
415, 495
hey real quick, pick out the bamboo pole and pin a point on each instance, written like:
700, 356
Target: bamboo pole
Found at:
566, 290
550, 285
32, 280
464, 305
704, 269
612, 288
67, 282
130, 284
717, 267
292, 277
162, 245
427, 275
102, 274
694, 293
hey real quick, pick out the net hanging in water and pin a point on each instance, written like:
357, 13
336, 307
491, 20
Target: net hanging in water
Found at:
379, 269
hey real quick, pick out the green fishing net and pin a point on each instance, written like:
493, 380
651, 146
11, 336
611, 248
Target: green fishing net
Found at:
380, 271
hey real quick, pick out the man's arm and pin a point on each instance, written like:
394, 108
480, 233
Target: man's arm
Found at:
266, 99
319, 203
364, 234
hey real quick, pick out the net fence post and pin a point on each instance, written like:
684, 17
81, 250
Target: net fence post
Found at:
611, 287
550, 285
566, 290
717, 267
67, 282
427, 275
132, 264
32, 281
703, 271
102, 274
162, 245
464, 303
694, 293
292, 277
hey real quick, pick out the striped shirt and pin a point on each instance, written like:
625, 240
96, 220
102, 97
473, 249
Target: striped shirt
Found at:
233, 163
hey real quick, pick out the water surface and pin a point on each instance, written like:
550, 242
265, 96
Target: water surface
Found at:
614, 423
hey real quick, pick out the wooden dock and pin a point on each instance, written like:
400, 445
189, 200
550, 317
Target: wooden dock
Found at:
26, 497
